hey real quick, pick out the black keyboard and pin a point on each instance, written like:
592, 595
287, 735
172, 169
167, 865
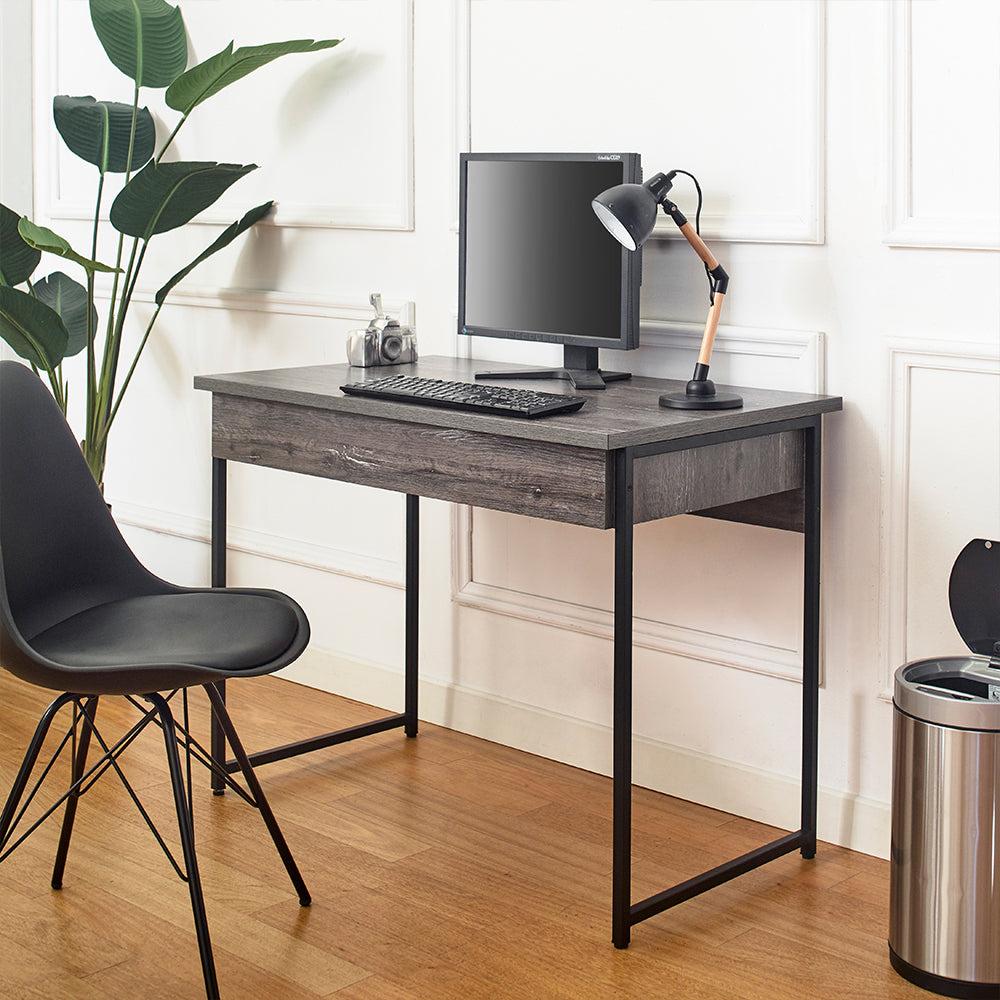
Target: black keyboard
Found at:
472, 396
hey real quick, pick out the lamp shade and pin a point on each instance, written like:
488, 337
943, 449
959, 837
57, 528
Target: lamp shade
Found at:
628, 212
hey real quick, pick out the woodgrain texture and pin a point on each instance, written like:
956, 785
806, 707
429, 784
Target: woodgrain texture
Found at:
442, 868
682, 482
540, 479
624, 414
779, 510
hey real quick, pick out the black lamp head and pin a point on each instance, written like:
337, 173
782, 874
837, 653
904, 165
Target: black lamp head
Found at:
628, 211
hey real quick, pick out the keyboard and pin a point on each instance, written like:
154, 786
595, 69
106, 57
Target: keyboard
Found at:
472, 396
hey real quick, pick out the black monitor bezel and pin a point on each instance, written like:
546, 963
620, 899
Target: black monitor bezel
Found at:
628, 336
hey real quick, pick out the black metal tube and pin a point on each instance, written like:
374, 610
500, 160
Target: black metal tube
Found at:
219, 478
28, 764
715, 877
319, 742
720, 437
187, 843
69, 816
621, 878
811, 635
219, 710
412, 615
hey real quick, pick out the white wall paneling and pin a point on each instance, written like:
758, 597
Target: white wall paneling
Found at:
835, 181
269, 516
943, 166
558, 613
626, 98
941, 488
327, 157
790, 359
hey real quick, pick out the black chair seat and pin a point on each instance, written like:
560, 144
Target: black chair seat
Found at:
219, 630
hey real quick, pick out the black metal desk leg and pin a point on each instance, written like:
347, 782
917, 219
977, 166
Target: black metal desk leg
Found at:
621, 879
218, 580
810, 637
412, 675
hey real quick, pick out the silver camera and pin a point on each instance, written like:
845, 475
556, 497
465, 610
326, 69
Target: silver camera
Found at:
385, 342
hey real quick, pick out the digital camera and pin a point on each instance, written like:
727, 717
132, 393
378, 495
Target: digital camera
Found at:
384, 342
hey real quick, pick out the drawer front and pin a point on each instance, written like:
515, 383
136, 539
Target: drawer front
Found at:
696, 479
555, 482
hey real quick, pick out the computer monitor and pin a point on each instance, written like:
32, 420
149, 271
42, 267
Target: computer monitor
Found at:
535, 263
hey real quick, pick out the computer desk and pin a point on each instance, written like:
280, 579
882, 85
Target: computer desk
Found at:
620, 461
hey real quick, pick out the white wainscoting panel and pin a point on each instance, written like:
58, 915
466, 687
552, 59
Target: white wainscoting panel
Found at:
941, 488
541, 81
943, 167
327, 157
269, 513
560, 575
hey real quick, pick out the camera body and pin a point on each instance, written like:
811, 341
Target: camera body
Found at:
384, 342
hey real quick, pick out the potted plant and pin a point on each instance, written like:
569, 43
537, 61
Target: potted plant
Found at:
53, 318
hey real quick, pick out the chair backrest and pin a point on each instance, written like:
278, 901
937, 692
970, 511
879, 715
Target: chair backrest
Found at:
60, 550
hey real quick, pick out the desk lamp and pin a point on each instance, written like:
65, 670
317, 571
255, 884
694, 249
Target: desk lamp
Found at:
628, 212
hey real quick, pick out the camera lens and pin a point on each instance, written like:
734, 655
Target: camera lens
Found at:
392, 347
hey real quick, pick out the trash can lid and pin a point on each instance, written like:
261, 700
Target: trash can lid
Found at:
961, 692
974, 596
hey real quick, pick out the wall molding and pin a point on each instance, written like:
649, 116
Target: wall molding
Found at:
281, 548
902, 227
853, 821
657, 635
395, 216
905, 356
803, 346
806, 226
461, 83
344, 306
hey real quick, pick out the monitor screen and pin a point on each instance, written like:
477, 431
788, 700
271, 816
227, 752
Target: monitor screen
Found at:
537, 262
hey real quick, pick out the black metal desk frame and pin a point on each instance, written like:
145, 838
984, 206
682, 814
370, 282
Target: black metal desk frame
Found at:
624, 913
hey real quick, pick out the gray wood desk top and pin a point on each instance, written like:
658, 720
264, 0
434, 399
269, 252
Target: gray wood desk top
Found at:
623, 415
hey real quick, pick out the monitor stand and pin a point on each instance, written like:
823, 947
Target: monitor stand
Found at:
579, 367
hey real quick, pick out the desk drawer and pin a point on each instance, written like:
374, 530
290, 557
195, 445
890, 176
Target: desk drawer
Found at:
555, 482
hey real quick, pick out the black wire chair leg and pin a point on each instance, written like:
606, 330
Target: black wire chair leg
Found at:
219, 710
69, 817
28, 764
187, 843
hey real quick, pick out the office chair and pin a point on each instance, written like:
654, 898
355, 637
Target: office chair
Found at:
79, 614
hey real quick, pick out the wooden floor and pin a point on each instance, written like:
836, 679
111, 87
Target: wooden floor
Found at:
440, 867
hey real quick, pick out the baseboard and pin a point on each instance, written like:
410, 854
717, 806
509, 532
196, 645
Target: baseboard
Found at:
852, 821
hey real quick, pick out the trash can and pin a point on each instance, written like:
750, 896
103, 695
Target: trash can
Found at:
944, 923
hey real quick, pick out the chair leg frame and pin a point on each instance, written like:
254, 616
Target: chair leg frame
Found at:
83, 779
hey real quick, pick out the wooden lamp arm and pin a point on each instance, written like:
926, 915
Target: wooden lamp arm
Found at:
720, 283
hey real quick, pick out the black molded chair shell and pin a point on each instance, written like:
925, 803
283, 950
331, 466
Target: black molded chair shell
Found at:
78, 611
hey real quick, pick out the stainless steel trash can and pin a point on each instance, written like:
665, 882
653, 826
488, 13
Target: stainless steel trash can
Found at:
944, 930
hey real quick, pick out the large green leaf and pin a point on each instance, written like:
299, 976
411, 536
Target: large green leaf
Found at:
31, 328
68, 298
47, 241
99, 131
225, 238
163, 196
209, 77
145, 39
17, 259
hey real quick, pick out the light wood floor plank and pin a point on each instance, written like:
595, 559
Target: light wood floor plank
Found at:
442, 868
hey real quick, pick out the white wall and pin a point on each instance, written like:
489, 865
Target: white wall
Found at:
849, 155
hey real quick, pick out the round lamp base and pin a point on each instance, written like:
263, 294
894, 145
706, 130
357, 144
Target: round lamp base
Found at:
686, 401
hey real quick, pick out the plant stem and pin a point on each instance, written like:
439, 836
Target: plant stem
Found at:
89, 421
93, 401
170, 138
97, 217
133, 274
128, 377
